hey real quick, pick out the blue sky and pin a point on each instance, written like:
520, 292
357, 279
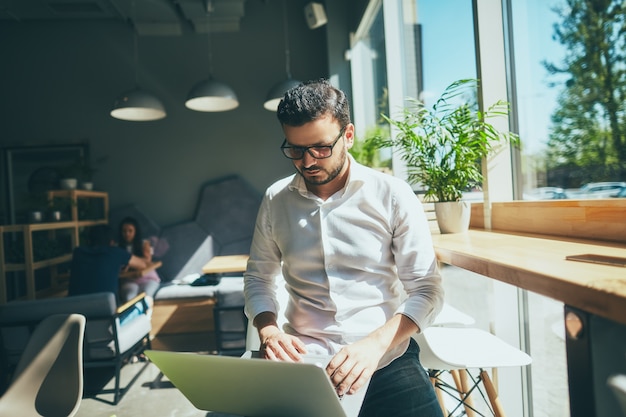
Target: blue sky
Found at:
447, 40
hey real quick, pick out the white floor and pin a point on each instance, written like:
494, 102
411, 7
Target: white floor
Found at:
150, 395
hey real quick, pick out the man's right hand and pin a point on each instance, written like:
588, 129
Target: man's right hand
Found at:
275, 344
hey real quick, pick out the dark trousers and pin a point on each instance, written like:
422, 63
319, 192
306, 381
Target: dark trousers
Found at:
401, 389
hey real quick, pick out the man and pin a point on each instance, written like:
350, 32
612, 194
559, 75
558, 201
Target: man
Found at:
355, 251
97, 266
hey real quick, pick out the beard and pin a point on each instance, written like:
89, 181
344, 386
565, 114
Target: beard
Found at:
325, 175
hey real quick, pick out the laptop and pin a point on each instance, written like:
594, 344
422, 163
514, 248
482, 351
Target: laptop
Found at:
253, 387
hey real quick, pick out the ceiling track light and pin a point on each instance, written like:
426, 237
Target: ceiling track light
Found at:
210, 95
277, 92
137, 105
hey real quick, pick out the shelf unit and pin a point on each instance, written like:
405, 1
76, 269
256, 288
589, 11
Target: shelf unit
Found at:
29, 265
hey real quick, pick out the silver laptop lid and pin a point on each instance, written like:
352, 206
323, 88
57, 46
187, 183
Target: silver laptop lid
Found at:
253, 387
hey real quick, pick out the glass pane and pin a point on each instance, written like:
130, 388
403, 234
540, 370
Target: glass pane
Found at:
570, 97
379, 63
435, 58
550, 391
370, 99
447, 54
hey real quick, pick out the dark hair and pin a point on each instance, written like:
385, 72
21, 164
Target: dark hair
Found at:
312, 100
100, 235
137, 243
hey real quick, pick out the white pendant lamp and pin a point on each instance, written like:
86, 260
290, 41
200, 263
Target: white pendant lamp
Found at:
137, 105
277, 92
211, 95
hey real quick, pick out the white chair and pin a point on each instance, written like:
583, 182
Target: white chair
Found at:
457, 350
48, 379
448, 317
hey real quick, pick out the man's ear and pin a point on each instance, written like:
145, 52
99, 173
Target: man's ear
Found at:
349, 135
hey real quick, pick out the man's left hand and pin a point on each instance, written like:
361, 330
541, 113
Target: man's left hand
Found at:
354, 365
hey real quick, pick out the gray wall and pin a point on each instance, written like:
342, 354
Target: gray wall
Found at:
59, 80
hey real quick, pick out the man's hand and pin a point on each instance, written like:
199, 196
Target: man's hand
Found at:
354, 365
282, 346
276, 344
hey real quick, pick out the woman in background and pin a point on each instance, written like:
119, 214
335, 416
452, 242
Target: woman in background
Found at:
130, 238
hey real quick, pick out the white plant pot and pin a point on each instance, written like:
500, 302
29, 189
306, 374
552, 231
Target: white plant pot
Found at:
87, 185
55, 216
35, 216
453, 216
68, 183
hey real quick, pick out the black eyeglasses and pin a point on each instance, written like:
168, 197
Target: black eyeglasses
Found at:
316, 151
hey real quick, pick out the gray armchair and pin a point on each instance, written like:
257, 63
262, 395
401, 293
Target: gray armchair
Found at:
112, 334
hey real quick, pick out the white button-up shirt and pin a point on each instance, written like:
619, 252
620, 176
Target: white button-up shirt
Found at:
349, 263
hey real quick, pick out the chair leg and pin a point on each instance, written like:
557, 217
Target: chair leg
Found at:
492, 394
116, 392
460, 380
439, 395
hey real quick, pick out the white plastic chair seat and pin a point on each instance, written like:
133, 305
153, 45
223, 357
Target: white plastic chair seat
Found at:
449, 348
48, 379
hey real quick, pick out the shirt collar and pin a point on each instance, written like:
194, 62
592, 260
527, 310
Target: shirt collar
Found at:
357, 175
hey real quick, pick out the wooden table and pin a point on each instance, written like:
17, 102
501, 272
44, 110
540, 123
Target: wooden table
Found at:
593, 294
136, 273
228, 263
537, 263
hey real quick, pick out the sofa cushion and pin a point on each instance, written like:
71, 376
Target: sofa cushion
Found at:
182, 291
229, 292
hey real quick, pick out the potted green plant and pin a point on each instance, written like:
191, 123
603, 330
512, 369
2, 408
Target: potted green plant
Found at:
443, 145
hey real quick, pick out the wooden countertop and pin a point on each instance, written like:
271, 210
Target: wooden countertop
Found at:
227, 263
537, 263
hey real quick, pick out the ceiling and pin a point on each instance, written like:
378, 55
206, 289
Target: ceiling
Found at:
149, 17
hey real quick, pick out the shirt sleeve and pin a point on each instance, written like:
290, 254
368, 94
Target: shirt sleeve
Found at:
416, 261
263, 267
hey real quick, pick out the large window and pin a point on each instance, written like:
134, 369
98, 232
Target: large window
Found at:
569, 65
561, 65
